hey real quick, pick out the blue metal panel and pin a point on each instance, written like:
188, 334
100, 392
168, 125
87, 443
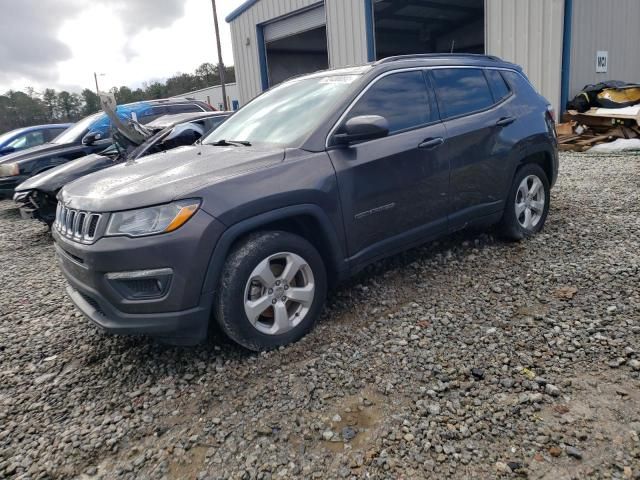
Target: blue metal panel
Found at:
240, 10
566, 55
262, 57
371, 37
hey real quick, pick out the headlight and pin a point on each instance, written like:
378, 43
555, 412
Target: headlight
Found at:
9, 170
152, 220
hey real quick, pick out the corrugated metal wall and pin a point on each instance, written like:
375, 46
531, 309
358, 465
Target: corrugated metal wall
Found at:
214, 95
245, 41
608, 25
529, 33
347, 32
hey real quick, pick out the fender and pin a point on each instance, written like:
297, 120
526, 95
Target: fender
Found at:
221, 250
549, 149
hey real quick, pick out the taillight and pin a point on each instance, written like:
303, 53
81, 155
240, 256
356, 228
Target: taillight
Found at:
551, 113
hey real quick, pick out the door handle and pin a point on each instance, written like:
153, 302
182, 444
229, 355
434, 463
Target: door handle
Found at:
503, 122
430, 143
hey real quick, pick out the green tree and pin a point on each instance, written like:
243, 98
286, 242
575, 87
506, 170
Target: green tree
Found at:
91, 102
155, 90
69, 106
50, 100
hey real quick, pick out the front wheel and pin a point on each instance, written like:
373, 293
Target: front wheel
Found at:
527, 206
271, 291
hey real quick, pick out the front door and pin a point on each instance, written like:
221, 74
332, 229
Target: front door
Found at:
394, 190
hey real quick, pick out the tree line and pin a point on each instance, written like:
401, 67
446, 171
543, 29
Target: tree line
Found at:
30, 107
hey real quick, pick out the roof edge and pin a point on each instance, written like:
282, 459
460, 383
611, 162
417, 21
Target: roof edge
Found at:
240, 10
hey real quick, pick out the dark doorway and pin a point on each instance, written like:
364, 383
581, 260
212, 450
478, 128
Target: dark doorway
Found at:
428, 26
297, 54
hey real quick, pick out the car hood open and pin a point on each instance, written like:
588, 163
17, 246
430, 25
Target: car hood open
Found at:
164, 177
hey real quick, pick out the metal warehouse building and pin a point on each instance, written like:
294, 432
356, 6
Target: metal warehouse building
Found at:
561, 44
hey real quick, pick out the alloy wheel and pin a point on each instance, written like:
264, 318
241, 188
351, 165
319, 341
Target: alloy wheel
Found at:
279, 293
530, 202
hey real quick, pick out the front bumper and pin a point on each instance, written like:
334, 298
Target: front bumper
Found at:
36, 205
8, 185
180, 315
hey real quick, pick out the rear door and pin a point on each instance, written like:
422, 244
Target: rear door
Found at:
476, 147
394, 190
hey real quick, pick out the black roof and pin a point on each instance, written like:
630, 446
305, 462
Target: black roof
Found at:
444, 59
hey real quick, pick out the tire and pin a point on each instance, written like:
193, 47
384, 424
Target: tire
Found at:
518, 223
249, 305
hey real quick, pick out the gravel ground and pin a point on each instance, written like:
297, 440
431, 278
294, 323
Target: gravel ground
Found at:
466, 358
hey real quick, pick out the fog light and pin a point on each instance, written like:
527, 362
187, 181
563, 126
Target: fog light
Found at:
141, 284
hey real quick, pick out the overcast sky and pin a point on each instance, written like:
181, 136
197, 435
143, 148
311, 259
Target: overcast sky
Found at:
60, 43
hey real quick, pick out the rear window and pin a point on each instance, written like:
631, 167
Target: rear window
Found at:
401, 98
184, 108
499, 87
461, 91
517, 81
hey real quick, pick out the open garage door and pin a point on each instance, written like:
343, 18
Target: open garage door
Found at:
296, 45
428, 26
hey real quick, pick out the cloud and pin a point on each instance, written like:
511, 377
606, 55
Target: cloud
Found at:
29, 47
56, 43
137, 15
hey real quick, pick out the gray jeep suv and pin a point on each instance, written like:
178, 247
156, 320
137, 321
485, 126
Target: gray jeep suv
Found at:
307, 184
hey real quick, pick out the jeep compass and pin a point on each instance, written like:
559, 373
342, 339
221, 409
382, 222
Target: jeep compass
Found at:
304, 186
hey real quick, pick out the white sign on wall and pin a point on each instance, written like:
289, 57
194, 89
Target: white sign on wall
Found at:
602, 62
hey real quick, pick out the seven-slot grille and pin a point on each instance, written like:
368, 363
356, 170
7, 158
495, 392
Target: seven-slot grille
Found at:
76, 224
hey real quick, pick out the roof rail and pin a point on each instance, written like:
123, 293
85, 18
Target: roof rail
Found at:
426, 56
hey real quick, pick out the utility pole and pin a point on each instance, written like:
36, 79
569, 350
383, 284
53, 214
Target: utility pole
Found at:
95, 77
220, 62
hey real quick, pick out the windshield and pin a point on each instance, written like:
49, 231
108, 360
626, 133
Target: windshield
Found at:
285, 114
75, 132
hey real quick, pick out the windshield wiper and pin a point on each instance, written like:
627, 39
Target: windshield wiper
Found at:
231, 143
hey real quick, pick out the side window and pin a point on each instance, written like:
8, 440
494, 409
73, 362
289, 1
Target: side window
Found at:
461, 91
150, 114
401, 98
52, 133
185, 108
517, 82
499, 87
28, 140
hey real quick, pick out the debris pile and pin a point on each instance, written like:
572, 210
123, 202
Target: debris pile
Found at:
601, 113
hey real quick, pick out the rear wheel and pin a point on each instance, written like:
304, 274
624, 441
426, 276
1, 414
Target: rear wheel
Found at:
527, 206
272, 290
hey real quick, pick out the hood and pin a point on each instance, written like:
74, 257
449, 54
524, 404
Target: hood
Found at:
165, 176
34, 153
50, 181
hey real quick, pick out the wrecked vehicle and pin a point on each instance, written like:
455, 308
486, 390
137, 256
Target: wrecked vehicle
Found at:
610, 94
92, 134
36, 197
301, 188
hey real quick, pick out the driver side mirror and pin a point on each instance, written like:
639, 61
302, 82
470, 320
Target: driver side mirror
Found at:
364, 127
91, 138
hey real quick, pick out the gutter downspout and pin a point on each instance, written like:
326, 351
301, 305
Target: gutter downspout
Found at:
370, 30
566, 55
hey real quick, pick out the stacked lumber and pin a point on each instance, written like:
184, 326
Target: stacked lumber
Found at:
578, 132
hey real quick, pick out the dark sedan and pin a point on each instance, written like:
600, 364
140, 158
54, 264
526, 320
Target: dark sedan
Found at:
37, 196
89, 135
